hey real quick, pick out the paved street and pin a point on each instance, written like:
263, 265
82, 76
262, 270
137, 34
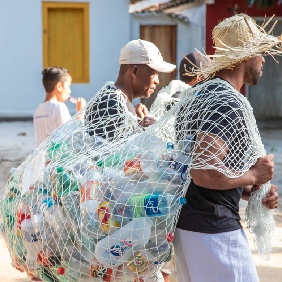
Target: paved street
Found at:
17, 141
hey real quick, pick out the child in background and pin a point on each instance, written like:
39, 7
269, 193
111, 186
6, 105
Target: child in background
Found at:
52, 113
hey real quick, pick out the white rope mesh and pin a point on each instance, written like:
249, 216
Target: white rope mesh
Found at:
100, 197
167, 97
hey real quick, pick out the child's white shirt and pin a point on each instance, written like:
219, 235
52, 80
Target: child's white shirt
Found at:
47, 117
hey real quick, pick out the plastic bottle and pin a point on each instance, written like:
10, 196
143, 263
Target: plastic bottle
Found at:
186, 145
183, 158
168, 156
115, 177
51, 244
118, 247
12, 189
71, 206
32, 244
8, 213
168, 175
32, 171
158, 245
91, 197
58, 150
76, 264
56, 218
8, 217
142, 167
146, 275
76, 136
24, 207
65, 182
102, 273
148, 205
81, 167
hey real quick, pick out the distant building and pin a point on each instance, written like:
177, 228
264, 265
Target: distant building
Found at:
176, 27
86, 36
266, 97
83, 36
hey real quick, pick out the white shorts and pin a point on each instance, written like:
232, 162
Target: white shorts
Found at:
221, 257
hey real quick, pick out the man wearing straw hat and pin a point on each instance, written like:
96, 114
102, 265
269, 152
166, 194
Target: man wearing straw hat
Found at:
210, 244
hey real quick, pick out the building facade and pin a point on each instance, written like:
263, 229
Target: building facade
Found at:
83, 36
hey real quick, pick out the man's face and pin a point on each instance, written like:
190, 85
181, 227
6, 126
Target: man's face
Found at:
146, 80
65, 92
253, 71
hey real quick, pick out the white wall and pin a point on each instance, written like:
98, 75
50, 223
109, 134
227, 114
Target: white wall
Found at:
21, 57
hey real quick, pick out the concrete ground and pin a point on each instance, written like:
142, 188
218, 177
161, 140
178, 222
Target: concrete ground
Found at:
17, 141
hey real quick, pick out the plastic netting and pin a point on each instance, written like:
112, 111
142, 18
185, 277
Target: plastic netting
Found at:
100, 198
167, 97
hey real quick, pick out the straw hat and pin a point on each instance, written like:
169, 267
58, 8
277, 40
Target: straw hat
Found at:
236, 39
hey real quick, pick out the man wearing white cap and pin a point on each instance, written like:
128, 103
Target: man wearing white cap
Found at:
111, 112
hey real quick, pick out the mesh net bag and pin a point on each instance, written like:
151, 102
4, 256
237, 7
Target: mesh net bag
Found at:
167, 97
100, 198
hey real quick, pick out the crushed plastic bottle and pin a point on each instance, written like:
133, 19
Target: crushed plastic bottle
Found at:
118, 247
58, 151
32, 244
158, 245
148, 205
65, 182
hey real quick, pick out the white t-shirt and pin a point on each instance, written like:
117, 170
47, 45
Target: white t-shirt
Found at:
47, 117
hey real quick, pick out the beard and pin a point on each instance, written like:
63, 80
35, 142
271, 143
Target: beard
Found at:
252, 76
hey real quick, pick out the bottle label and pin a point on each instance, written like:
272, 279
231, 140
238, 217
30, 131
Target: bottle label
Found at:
104, 215
30, 237
101, 272
89, 191
132, 167
147, 204
138, 263
114, 254
20, 218
46, 204
151, 205
179, 167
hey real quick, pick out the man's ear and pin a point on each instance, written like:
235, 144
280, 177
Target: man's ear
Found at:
59, 86
134, 71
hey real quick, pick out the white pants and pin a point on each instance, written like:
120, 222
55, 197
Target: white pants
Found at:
221, 257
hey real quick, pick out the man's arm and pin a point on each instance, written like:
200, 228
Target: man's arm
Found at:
212, 150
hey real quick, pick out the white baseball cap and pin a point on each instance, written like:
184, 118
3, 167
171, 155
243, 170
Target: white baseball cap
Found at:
144, 52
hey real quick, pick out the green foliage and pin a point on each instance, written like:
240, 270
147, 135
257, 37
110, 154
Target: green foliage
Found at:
261, 4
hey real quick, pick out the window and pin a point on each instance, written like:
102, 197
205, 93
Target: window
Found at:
66, 38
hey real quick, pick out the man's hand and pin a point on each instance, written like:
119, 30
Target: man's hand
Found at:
147, 121
271, 199
262, 170
141, 110
81, 103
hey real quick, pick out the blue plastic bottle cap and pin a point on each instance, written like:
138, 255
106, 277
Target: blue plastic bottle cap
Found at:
169, 145
182, 201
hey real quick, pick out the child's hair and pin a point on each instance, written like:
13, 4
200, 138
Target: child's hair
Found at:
51, 76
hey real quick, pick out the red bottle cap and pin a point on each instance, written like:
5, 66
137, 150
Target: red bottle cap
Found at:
169, 237
61, 270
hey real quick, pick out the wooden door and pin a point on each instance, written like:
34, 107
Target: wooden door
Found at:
164, 37
266, 96
66, 38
